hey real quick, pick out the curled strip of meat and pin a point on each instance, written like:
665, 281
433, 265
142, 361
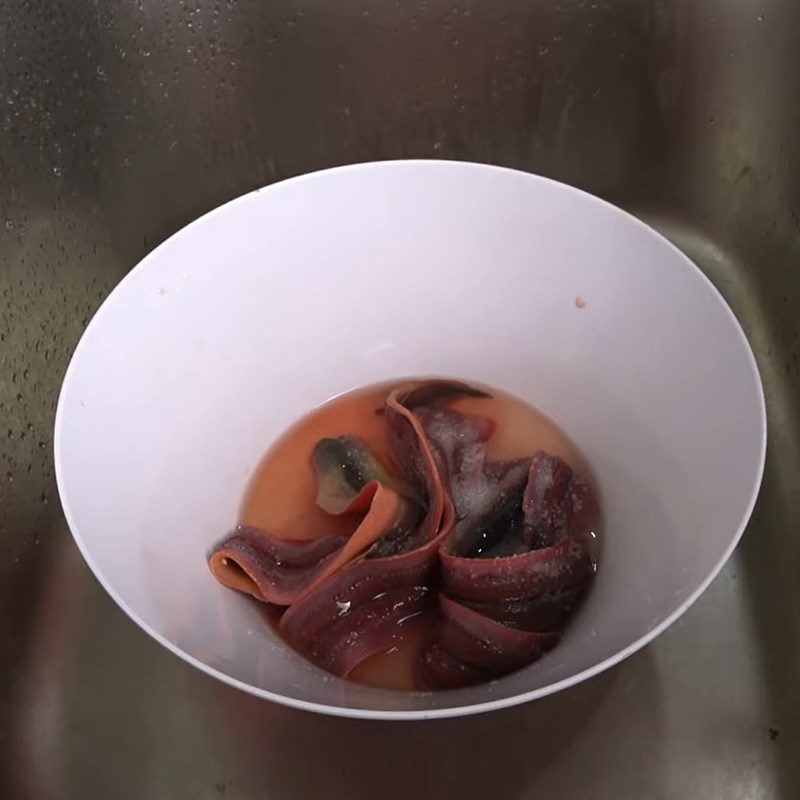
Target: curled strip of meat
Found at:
499, 548
350, 479
341, 621
513, 571
268, 568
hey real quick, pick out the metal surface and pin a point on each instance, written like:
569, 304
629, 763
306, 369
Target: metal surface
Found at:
122, 122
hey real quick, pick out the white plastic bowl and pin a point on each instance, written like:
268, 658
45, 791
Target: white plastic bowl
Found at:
243, 321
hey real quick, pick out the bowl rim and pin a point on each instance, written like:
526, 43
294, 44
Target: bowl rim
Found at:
417, 714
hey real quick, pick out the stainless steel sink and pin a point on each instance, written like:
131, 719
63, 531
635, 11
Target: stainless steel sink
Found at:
122, 122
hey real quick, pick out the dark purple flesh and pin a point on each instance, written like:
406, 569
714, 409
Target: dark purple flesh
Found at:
364, 626
271, 569
499, 550
348, 600
515, 568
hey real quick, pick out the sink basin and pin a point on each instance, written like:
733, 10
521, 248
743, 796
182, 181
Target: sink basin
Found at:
120, 125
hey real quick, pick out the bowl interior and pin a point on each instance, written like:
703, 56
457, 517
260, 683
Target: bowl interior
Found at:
246, 319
